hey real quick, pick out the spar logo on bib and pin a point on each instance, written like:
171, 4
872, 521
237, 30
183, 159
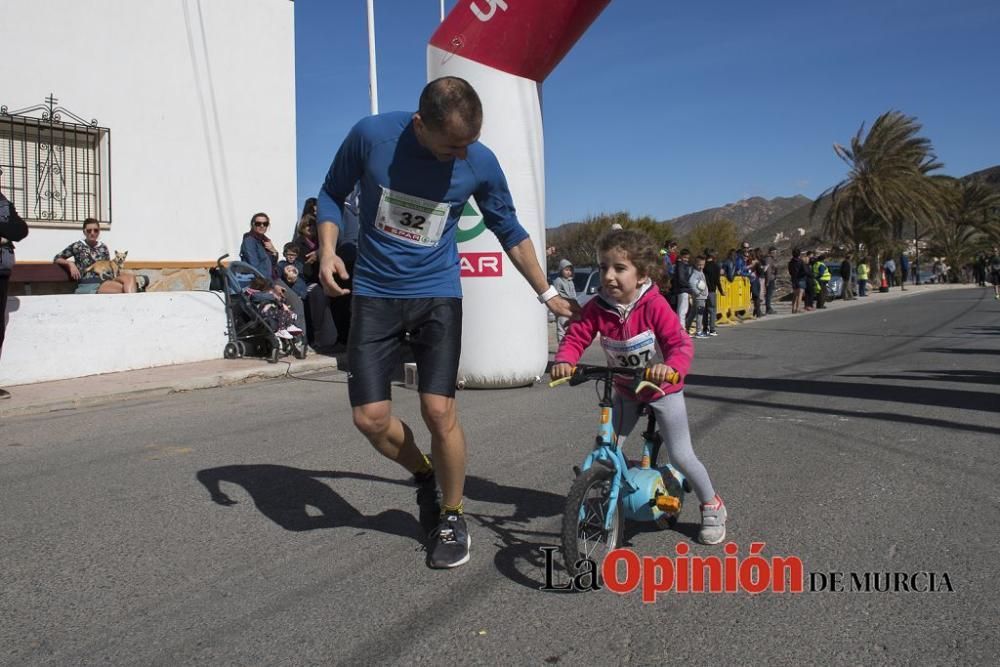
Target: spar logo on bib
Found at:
476, 264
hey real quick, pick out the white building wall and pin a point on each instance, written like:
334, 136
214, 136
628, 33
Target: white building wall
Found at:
199, 96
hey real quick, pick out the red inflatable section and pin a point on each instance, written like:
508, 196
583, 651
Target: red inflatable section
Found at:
527, 38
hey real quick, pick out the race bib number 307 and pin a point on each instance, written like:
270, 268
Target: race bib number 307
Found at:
411, 219
636, 352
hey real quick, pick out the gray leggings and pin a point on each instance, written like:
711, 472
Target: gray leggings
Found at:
672, 420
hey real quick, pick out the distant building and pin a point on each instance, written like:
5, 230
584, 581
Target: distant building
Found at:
171, 121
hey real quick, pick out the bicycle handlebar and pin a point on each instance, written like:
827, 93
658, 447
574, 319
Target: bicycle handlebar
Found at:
584, 372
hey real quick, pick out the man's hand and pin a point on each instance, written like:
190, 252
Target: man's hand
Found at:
561, 307
269, 247
661, 373
74, 272
329, 266
559, 371
311, 257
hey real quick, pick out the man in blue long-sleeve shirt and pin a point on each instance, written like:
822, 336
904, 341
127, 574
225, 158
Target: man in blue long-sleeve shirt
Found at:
416, 172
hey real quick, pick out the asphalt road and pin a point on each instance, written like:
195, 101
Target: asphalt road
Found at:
860, 440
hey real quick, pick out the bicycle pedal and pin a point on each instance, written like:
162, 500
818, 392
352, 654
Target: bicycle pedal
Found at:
576, 471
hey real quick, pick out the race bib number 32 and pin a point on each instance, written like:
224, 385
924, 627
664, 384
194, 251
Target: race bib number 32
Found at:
411, 219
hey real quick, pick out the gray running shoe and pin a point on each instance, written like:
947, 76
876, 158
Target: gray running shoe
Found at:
450, 542
713, 523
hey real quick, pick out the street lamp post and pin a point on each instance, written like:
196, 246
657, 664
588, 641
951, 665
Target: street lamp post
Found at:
372, 74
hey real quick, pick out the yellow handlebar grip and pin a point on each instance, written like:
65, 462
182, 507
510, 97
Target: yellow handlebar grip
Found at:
556, 383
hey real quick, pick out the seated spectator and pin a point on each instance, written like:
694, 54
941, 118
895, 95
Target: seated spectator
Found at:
269, 300
291, 277
91, 264
305, 239
290, 254
258, 251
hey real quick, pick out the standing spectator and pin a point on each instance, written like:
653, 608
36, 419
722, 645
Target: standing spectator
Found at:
904, 270
669, 254
846, 293
797, 274
890, 271
742, 261
729, 265
770, 279
699, 292
713, 276
567, 289
822, 275
85, 254
680, 286
12, 228
810, 294
994, 264
863, 276
755, 272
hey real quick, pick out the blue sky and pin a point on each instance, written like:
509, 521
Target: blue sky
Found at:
665, 108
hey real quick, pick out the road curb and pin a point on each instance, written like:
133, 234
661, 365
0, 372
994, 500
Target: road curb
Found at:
265, 371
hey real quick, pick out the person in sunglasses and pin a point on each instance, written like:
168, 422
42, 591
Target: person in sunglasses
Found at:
258, 251
80, 257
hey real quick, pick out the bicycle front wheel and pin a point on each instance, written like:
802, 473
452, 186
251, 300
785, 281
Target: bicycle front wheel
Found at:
587, 507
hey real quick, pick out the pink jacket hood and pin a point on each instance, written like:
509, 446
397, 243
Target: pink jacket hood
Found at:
649, 314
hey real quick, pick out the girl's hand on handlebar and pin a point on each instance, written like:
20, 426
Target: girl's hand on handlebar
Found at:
661, 373
559, 371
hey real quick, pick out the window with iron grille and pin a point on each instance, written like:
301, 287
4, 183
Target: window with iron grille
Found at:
57, 173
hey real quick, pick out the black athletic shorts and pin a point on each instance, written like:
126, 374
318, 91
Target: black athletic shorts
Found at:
379, 325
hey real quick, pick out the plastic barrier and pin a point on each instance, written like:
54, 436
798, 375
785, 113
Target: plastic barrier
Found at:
737, 302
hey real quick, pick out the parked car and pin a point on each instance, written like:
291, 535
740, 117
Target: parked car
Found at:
834, 287
591, 284
586, 281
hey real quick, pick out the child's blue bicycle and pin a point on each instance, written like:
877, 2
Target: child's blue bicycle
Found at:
608, 489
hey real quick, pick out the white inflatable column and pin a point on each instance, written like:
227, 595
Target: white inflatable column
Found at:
505, 49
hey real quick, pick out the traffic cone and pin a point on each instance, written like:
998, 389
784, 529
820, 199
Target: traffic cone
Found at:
884, 287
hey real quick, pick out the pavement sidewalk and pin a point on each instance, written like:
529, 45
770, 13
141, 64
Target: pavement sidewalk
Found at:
28, 399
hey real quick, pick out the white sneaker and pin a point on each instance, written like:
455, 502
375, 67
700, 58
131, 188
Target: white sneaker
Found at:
294, 330
713, 522
282, 333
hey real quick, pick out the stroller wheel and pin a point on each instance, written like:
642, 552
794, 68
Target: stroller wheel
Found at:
274, 356
299, 349
231, 351
241, 349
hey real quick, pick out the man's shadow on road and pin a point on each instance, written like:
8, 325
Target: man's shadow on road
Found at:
300, 500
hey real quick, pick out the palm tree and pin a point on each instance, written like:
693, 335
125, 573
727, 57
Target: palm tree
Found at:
968, 221
888, 184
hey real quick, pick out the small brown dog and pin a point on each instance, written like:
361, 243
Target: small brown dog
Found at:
107, 267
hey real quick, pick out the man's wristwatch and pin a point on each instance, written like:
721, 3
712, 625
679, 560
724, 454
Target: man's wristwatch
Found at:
548, 294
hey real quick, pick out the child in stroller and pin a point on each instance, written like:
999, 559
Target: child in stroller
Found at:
269, 300
259, 321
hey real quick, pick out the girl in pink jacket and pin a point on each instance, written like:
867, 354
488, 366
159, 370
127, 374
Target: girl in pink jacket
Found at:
639, 329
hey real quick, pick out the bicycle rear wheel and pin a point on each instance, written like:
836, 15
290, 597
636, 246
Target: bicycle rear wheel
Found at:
587, 506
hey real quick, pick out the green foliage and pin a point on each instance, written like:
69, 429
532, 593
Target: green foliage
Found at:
577, 242
888, 184
969, 221
721, 235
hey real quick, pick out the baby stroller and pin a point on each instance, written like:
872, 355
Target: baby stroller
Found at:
248, 331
